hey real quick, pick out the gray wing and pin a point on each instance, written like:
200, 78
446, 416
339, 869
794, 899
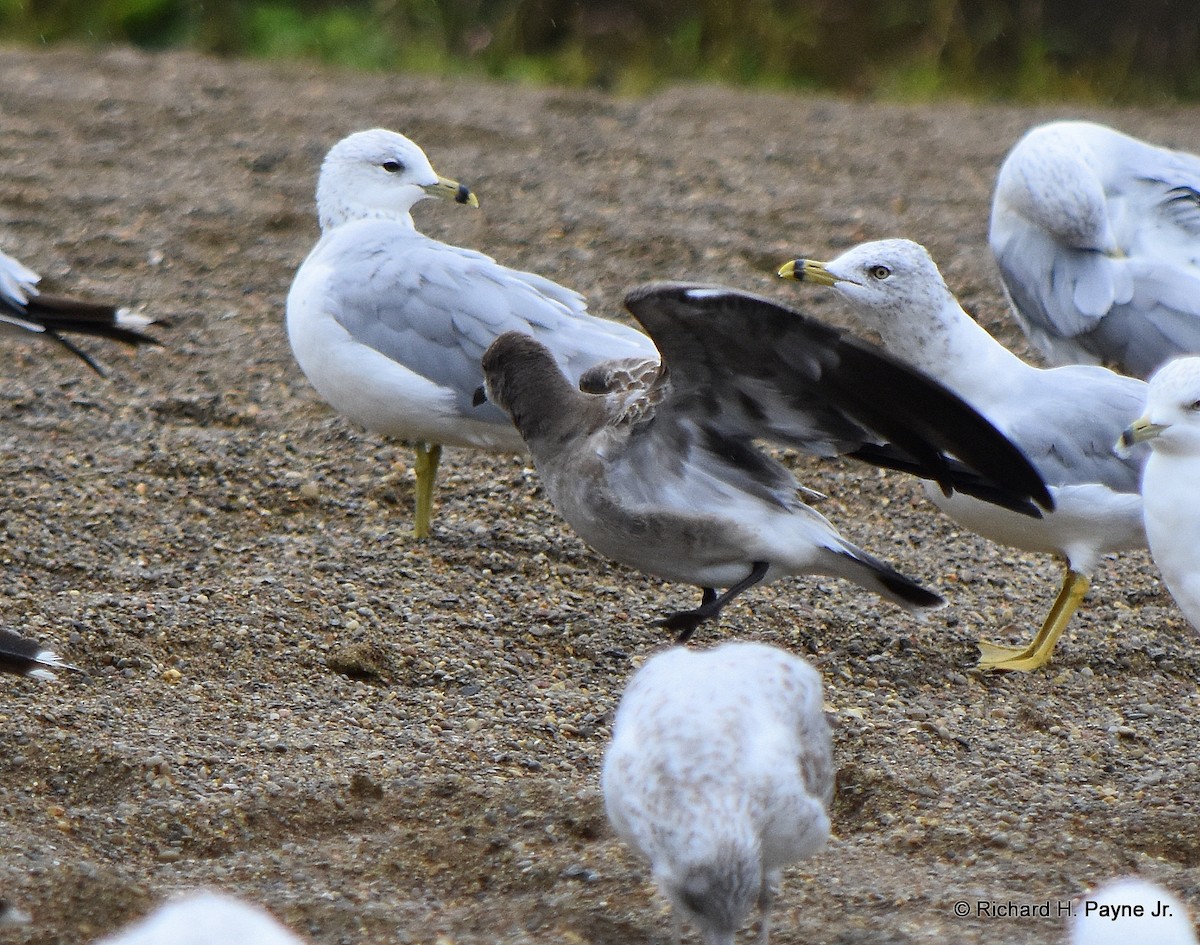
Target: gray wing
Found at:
436, 308
744, 367
1068, 424
1155, 205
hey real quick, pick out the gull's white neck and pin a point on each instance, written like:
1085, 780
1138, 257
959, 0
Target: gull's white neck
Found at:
334, 212
953, 348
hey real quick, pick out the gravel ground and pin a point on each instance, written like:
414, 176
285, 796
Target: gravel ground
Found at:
387, 741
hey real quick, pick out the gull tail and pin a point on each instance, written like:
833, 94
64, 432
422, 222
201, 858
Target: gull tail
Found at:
26, 657
865, 570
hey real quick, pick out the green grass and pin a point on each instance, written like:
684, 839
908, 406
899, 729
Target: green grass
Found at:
895, 49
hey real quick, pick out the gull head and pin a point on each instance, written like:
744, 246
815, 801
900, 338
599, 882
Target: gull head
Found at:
715, 896
521, 377
884, 280
379, 174
1049, 180
1171, 423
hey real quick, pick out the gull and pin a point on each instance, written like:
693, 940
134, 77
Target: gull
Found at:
662, 473
24, 657
1131, 911
1067, 421
205, 918
1097, 237
1171, 425
25, 309
389, 325
720, 773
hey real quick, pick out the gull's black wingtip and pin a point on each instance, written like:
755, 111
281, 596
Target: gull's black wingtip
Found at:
21, 656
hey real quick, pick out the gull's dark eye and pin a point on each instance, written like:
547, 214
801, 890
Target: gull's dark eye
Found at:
879, 272
1194, 405
392, 167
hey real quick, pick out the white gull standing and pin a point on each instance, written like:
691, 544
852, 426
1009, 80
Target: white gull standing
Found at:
1097, 237
389, 325
1067, 420
720, 773
1171, 479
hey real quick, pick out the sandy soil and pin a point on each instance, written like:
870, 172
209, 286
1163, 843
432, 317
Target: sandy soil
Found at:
387, 741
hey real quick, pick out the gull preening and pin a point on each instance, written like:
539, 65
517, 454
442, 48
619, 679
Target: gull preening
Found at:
662, 474
25, 309
24, 657
720, 773
1097, 236
1067, 420
1171, 479
389, 325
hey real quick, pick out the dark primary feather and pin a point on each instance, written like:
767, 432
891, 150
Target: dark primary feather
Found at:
820, 389
965, 479
25, 657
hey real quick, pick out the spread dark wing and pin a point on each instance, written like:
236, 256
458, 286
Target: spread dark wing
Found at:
752, 367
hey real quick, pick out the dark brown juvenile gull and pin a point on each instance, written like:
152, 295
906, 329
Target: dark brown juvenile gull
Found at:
22, 307
720, 773
25, 657
663, 475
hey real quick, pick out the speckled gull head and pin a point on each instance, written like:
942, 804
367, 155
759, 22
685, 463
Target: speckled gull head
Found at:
379, 174
885, 280
1171, 422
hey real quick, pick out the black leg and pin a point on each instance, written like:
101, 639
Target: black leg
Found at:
686, 621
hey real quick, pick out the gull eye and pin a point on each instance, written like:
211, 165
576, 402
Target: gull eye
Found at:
1194, 405
879, 272
392, 167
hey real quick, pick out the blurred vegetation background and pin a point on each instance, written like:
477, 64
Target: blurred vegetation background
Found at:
1100, 50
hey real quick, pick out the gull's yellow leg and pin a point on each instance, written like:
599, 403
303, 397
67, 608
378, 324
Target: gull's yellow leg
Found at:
991, 653
1039, 651
428, 456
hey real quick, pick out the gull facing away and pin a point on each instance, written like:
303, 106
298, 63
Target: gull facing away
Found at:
720, 773
1067, 421
1097, 236
389, 325
1171, 479
1131, 911
24, 657
205, 917
25, 309
662, 473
